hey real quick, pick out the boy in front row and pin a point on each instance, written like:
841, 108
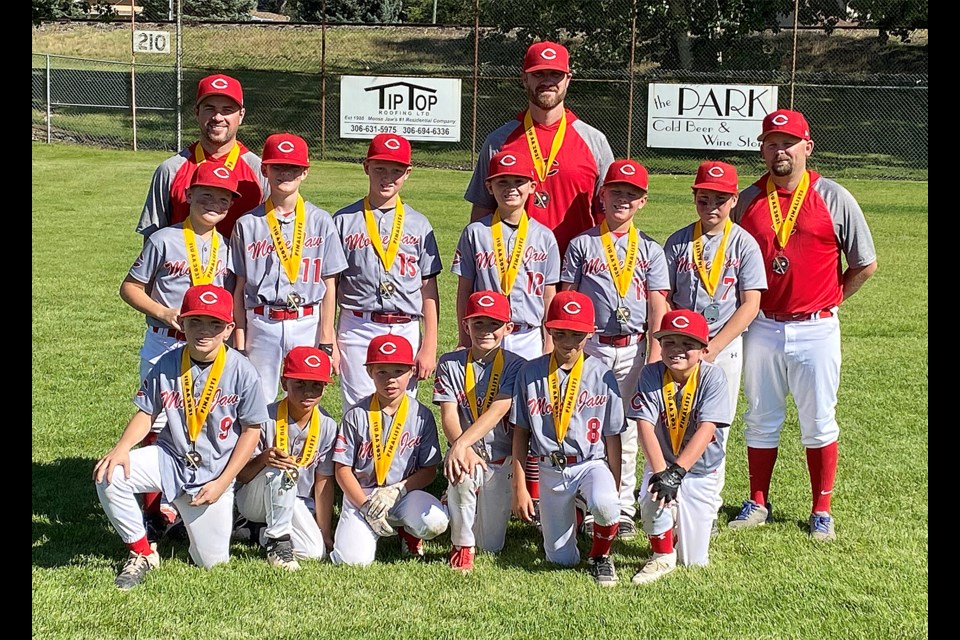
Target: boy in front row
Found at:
386, 454
211, 431
680, 404
288, 485
567, 410
474, 389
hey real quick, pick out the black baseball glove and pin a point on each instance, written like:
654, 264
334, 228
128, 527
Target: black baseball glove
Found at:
665, 485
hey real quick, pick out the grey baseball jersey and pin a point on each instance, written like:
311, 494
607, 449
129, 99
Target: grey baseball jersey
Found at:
237, 402
585, 266
252, 256
164, 268
450, 385
598, 412
743, 270
418, 447
710, 404
475, 259
418, 259
322, 461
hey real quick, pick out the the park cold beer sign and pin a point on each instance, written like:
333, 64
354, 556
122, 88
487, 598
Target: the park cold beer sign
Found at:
721, 117
416, 108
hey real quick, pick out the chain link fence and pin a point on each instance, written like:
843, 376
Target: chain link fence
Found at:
867, 101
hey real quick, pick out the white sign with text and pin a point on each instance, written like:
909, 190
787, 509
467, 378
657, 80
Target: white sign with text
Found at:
151, 41
416, 108
722, 117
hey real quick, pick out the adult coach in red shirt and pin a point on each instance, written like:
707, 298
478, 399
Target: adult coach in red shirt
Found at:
219, 109
570, 156
806, 226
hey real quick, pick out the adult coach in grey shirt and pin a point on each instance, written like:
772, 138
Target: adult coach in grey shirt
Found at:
570, 156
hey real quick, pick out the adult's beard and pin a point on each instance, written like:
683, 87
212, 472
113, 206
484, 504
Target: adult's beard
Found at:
544, 100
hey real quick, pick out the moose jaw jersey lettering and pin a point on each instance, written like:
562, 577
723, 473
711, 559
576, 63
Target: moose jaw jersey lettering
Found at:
450, 386
572, 182
237, 401
418, 447
164, 268
598, 411
475, 260
418, 259
166, 202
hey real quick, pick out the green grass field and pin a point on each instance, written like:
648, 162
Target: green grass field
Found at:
772, 583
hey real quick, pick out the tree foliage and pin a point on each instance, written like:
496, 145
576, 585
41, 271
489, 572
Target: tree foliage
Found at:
360, 11
238, 10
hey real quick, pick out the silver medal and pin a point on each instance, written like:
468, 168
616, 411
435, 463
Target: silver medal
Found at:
386, 289
193, 459
541, 198
558, 460
711, 313
290, 477
294, 301
623, 315
780, 265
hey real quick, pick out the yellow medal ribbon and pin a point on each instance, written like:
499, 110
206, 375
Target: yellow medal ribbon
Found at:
313, 434
535, 154
784, 227
621, 273
197, 413
383, 456
492, 388
561, 422
508, 272
677, 419
711, 279
386, 256
289, 258
229, 163
199, 275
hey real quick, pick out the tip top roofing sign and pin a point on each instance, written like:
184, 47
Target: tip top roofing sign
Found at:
416, 108
723, 117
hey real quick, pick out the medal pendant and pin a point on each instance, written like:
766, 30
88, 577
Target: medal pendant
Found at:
711, 313
294, 301
541, 198
193, 459
481, 451
780, 265
623, 315
386, 289
290, 477
557, 460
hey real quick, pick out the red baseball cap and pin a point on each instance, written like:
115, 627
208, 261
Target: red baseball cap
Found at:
546, 55
717, 176
389, 349
785, 121
389, 147
209, 174
207, 300
307, 363
285, 148
489, 304
506, 163
220, 85
683, 322
629, 171
571, 310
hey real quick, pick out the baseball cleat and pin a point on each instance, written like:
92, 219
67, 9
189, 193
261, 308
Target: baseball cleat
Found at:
410, 545
461, 559
602, 570
588, 525
715, 528
626, 528
821, 526
280, 554
135, 568
752, 515
659, 565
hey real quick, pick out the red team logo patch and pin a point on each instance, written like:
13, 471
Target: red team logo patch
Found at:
680, 322
312, 361
392, 143
716, 172
286, 147
508, 160
549, 54
208, 297
222, 172
573, 308
388, 348
628, 170
219, 83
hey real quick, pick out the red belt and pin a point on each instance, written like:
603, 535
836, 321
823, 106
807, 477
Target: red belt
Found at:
283, 313
498, 460
387, 318
794, 317
171, 333
620, 341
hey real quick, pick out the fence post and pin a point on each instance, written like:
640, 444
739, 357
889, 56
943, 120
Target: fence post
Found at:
47, 97
323, 84
179, 73
133, 77
633, 44
476, 71
793, 66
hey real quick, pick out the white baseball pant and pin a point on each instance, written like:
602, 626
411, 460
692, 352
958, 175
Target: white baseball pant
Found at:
479, 507
269, 341
797, 358
155, 344
626, 363
526, 342
264, 499
696, 510
730, 361
208, 526
355, 543
558, 518
354, 335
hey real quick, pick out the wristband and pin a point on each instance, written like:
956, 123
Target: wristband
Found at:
326, 347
